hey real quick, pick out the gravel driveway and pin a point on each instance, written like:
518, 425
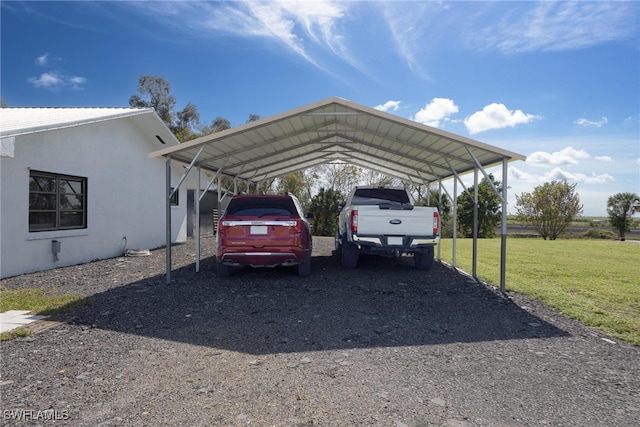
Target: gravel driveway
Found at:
381, 345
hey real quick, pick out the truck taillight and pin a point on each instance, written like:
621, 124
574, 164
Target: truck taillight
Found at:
436, 223
354, 221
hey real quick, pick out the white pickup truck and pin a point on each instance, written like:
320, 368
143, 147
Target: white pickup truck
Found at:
382, 221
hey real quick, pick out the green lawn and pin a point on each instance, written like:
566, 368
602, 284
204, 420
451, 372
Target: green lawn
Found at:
594, 281
38, 301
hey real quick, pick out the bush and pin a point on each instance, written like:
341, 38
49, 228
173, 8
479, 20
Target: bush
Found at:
598, 234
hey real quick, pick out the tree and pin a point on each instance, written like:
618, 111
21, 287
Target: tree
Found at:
324, 207
489, 213
550, 208
442, 203
155, 92
253, 118
342, 176
300, 184
218, 124
620, 208
184, 120
377, 179
158, 92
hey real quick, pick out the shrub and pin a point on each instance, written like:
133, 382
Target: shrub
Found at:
598, 234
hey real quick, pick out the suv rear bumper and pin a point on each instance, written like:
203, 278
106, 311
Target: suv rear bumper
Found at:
264, 258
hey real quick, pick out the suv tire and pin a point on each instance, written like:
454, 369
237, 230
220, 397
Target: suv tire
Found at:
222, 269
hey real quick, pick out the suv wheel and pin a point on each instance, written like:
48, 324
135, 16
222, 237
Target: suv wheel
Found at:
304, 268
222, 269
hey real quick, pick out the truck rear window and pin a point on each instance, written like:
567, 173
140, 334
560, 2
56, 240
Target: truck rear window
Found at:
261, 207
375, 196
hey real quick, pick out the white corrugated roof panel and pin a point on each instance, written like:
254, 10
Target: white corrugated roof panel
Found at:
337, 130
19, 121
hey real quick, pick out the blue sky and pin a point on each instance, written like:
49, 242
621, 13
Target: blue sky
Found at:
556, 81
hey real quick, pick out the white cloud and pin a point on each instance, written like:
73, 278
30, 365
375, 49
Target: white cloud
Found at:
560, 26
591, 123
496, 116
522, 176
557, 174
298, 27
388, 106
604, 158
42, 60
56, 81
76, 82
437, 110
566, 156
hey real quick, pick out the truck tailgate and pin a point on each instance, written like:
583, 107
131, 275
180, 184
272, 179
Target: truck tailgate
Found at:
375, 221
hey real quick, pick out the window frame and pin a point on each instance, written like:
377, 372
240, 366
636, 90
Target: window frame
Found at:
175, 197
57, 205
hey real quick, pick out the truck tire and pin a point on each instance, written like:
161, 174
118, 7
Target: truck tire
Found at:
349, 254
423, 259
337, 243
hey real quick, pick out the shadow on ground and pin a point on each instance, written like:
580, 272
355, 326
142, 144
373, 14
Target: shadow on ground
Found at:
382, 303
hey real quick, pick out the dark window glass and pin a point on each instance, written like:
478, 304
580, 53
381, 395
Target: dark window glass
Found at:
57, 202
262, 206
376, 196
175, 198
42, 221
43, 184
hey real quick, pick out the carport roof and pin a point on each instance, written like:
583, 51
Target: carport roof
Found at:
337, 130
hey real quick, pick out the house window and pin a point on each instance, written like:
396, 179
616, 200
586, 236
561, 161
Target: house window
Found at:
57, 202
175, 197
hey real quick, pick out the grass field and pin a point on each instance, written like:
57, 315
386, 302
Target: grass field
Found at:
594, 281
38, 301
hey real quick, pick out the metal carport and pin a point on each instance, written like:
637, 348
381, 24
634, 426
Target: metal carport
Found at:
337, 130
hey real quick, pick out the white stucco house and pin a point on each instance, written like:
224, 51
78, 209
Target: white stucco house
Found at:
77, 184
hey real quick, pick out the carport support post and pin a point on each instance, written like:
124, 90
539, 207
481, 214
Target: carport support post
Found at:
475, 225
455, 221
440, 204
168, 218
503, 233
196, 202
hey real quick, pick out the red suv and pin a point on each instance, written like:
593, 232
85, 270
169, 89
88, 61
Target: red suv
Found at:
263, 231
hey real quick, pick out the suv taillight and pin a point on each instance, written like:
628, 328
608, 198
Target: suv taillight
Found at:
354, 221
436, 223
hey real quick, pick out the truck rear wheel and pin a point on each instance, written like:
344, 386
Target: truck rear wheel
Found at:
349, 254
337, 243
423, 259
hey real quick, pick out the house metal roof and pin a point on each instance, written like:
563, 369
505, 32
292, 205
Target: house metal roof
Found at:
21, 121
337, 130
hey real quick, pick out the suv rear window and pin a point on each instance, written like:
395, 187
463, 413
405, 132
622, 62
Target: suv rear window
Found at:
261, 206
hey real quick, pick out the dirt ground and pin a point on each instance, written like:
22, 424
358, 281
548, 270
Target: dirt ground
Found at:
380, 345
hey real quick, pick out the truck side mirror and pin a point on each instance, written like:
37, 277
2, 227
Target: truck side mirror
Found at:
340, 206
